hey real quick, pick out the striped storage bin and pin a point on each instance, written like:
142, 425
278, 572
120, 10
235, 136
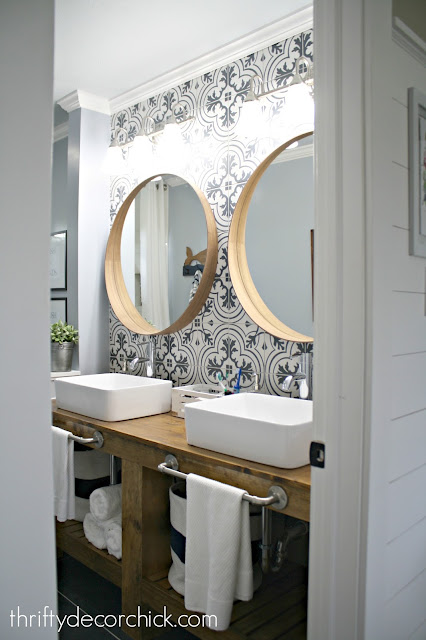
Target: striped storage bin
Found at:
177, 494
91, 471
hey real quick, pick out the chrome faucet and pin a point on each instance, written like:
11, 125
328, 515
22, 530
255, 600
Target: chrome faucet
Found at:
303, 386
303, 377
130, 363
255, 388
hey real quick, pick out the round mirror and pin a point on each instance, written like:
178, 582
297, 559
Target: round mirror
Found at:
161, 256
271, 242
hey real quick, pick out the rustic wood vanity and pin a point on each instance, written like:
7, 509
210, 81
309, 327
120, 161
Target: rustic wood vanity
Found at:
278, 609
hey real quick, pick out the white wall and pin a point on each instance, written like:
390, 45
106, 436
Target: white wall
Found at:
59, 185
27, 576
88, 191
396, 551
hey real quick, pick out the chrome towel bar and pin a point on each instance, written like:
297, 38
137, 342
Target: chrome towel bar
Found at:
276, 495
97, 440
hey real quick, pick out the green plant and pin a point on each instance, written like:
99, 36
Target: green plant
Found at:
62, 332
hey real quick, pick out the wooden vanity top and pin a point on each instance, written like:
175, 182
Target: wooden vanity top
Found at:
148, 440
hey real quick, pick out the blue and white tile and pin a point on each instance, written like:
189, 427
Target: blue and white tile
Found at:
282, 358
220, 162
231, 347
280, 58
176, 357
222, 304
221, 94
120, 188
214, 177
121, 348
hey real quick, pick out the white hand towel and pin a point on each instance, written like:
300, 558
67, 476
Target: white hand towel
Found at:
218, 562
113, 536
105, 503
94, 531
63, 474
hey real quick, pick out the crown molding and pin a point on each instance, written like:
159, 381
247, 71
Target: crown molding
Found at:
409, 41
83, 100
287, 27
60, 132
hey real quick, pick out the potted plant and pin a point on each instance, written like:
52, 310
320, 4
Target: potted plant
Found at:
63, 337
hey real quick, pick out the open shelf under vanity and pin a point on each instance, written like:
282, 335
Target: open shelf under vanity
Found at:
70, 538
278, 609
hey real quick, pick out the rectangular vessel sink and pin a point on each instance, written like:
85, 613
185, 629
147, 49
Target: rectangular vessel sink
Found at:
114, 396
268, 429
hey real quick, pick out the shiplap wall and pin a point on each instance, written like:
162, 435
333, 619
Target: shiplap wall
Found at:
405, 573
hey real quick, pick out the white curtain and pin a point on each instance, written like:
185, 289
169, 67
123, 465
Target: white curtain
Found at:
153, 212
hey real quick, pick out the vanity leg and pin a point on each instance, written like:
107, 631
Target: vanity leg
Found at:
132, 475
146, 536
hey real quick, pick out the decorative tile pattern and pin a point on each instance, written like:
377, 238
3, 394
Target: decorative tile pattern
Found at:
120, 189
282, 358
177, 358
214, 156
229, 348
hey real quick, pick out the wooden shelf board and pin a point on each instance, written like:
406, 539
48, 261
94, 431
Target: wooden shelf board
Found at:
277, 611
70, 538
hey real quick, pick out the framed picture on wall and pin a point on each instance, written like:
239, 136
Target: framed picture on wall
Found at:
58, 260
417, 172
58, 310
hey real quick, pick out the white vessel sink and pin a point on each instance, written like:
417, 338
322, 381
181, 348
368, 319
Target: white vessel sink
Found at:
114, 396
253, 426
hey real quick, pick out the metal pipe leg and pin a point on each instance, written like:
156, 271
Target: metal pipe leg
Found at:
266, 539
112, 470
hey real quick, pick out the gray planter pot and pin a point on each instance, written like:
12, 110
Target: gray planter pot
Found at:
61, 356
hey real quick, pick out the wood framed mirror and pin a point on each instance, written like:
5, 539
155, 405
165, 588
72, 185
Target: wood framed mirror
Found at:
120, 293
263, 261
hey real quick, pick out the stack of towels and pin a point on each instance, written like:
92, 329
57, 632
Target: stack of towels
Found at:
102, 525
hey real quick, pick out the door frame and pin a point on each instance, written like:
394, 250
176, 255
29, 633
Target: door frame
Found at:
337, 542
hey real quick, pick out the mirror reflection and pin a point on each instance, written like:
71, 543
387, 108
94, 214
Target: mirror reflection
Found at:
165, 227
279, 236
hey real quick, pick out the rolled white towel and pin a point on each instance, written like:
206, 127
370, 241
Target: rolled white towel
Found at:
94, 531
113, 536
105, 503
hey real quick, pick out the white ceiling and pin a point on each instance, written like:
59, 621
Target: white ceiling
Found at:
108, 47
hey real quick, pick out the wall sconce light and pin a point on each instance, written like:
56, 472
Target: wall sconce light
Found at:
115, 163
136, 155
130, 155
308, 77
170, 128
140, 154
251, 111
251, 120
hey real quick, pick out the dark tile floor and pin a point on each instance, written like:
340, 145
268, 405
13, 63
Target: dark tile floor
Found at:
80, 587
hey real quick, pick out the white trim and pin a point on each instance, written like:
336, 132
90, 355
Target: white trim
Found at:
408, 40
60, 132
83, 100
335, 594
287, 27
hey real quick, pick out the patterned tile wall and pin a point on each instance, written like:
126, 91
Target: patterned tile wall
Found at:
219, 160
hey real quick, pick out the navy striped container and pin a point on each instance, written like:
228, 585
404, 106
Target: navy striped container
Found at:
177, 494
